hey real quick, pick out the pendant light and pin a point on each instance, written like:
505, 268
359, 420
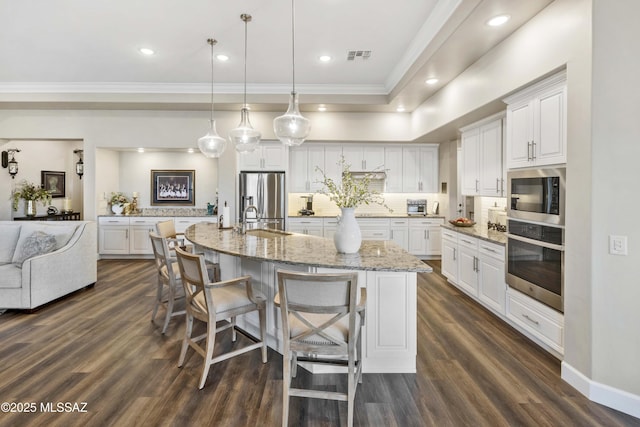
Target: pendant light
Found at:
292, 128
212, 145
245, 137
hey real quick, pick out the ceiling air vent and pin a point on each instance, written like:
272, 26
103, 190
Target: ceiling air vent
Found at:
352, 55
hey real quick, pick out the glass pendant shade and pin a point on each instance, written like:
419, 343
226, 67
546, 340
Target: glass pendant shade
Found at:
245, 137
292, 128
212, 145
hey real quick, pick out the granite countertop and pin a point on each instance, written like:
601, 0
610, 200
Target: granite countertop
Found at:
168, 212
481, 232
301, 249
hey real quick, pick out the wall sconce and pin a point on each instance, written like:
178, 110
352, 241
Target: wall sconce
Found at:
9, 161
79, 164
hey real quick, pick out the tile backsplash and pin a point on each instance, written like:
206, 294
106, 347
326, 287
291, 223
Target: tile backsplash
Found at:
322, 206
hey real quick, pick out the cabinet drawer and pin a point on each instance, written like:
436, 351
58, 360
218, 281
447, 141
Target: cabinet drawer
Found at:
468, 242
113, 220
371, 234
423, 222
489, 249
526, 314
373, 222
399, 222
148, 221
452, 236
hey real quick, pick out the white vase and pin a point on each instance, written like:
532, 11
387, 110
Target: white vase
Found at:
348, 237
117, 209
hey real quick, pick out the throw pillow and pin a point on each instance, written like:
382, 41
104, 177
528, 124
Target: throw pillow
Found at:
10, 233
38, 243
62, 233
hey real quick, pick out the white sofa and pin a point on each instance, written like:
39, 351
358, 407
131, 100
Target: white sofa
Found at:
41, 261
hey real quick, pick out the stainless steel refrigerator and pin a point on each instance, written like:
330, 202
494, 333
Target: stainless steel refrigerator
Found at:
265, 191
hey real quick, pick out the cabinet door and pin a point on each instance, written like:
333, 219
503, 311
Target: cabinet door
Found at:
298, 170
470, 162
433, 244
490, 157
429, 169
550, 133
393, 167
373, 158
139, 241
410, 170
332, 168
114, 240
492, 288
274, 156
519, 134
250, 161
316, 164
400, 235
467, 275
450, 260
418, 240
353, 157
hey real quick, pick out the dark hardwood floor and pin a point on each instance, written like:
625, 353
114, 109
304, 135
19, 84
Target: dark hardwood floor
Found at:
98, 347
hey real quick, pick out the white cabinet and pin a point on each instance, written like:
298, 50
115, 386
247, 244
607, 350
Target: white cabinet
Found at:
482, 167
364, 158
537, 124
399, 232
310, 226
113, 236
393, 168
535, 319
491, 281
468, 264
450, 255
329, 227
139, 229
271, 156
425, 236
420, 169
304, 162
477, 267
374, 228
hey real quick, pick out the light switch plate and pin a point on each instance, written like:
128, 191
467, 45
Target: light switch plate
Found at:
618, 245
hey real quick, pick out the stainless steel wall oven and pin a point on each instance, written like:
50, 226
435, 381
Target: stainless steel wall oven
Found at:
535, 261
536, 195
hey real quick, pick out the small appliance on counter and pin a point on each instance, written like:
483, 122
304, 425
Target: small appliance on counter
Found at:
307, 206
497, 219
417, 207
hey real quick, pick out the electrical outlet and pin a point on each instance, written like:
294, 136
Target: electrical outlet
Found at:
618, 245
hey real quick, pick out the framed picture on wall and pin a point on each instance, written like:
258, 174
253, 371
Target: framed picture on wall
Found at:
53, 182
173, 187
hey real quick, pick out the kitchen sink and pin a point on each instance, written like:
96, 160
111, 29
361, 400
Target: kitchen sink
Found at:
268, 234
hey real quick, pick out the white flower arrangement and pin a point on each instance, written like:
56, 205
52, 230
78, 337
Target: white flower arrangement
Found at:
350, 192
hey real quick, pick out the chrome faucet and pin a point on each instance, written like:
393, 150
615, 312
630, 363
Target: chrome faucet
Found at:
244, 216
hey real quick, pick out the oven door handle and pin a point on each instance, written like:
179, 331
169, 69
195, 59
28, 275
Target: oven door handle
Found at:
536, 242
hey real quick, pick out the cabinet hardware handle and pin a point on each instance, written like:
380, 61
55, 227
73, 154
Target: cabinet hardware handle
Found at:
454, 253
498, 185
530, 319
477, 182
528, 151
126, 234
489, 249
502, 186
533, 150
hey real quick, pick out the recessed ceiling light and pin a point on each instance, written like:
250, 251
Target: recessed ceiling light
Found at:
190, 151
431, 81
222, 57
324, 58
140, 150
400, 109
146, 51
496, 21
322, 108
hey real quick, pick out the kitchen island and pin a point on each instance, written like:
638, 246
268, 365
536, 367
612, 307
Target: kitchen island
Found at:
387, 271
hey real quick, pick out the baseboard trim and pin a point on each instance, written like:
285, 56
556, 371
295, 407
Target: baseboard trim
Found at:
603, 394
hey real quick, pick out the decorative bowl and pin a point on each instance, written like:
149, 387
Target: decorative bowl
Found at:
461, 224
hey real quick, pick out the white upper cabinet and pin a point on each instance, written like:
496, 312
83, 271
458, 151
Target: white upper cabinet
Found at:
364, 158
332, 167
304, 162
271, 156
482, 167
420, 168
537, 124
393, 167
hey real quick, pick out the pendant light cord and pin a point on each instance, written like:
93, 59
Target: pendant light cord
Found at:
245, 19
293, 45
211, 43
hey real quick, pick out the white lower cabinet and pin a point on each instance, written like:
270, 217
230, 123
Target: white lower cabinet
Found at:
374, 228
129, 235
425, 236
477, 267
399, 232
310, 226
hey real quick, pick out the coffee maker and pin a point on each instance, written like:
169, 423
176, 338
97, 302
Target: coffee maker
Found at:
307, 206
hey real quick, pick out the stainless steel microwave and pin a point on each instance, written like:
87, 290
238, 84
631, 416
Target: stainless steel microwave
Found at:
537, 195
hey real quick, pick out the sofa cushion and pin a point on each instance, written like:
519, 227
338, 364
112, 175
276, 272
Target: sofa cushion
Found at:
37, 243
10, 277
10, 233
62, 233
